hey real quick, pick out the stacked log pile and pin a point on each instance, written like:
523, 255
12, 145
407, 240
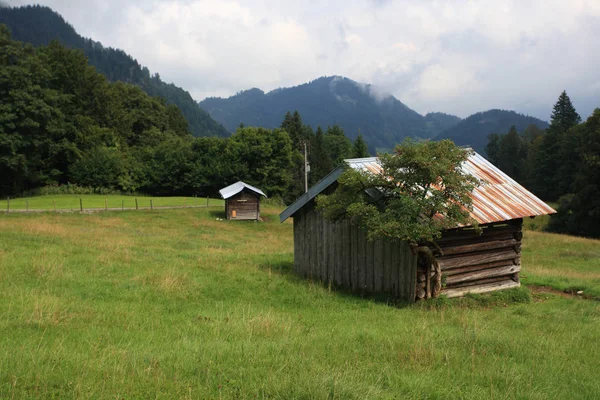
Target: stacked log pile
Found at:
473, 263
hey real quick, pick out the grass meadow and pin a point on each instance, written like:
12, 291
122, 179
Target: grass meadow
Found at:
176, 304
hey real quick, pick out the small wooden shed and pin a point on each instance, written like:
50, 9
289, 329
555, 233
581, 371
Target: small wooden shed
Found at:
242, 201
339, 253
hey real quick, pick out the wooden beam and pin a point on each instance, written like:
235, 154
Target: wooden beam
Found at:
478, 258
478, 282
471, 268
490, 287
483, 273
482, 246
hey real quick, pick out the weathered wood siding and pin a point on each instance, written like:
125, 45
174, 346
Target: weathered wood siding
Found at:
244, 205
475, 263
339, 253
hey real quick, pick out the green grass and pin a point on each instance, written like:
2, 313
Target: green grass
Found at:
93, 201
564, 262
538, 223
175, 304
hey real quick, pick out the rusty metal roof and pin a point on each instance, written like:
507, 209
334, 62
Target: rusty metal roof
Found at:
497, 198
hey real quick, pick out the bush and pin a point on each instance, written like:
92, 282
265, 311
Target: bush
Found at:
70, 189
101, 167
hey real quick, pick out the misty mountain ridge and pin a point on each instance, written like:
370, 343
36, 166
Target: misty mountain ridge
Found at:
473, 131
382, 119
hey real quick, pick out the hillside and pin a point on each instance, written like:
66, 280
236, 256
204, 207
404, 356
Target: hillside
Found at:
382, 119
40, 25
474, 130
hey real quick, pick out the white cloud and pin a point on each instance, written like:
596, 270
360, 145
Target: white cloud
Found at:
456, 56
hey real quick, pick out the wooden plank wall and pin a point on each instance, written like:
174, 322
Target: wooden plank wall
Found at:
338, 253
476, 264
246, 206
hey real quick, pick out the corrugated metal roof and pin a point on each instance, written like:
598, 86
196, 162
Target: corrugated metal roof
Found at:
237, 187
498, 198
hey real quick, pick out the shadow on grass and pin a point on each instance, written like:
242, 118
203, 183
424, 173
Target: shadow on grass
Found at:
217, 214
502, 298
286, 269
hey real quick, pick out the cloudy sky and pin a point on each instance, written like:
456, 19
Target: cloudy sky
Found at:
458, 57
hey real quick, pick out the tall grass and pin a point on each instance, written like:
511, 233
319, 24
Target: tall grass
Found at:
176, 304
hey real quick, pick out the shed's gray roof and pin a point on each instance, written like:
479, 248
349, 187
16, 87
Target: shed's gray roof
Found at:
312, 193
237, 187
498, 198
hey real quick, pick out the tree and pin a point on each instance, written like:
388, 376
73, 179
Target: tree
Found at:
320, 161
579, 213
420, 181
564, 116
99, 168
338, 146
512, 155
359, 148
301, 137
292, 124
493, 148
261, 157
554, 163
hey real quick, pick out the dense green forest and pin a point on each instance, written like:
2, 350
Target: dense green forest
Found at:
561, 163
40, 25
381, 119
474, 130
62, 122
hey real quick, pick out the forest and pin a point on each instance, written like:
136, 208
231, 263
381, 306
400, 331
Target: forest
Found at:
39, 25
560, 164
64, 123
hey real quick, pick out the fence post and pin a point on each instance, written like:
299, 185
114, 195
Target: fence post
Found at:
105, 204
80, 205
54, 202
151, 205
122, 205
136, 204
7, 205
26, 205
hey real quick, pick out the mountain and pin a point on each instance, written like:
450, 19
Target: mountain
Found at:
439, 122
474, 130
40, 25
382, 119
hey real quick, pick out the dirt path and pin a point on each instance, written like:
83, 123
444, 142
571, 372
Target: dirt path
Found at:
539, 292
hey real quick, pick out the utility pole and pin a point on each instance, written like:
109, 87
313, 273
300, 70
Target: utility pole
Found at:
306, 169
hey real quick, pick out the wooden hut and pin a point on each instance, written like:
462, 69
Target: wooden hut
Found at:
339, 253
242, 201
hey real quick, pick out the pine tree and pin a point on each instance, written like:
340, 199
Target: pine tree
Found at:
555, 159
492, 148
320, 161
579, 213
359, 148
292, 124
564, 116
